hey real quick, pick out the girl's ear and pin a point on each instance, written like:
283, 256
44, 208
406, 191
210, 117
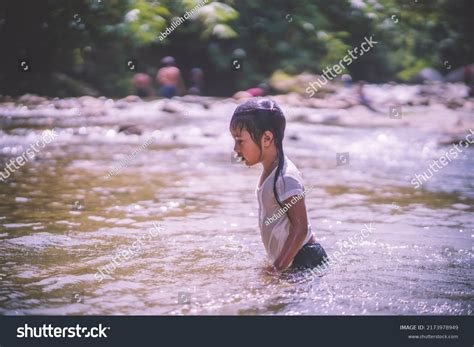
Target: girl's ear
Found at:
267, 137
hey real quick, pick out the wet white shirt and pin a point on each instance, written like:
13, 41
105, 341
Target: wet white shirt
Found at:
273, 222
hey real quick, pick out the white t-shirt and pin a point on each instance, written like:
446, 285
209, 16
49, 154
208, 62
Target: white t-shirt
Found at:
273, 222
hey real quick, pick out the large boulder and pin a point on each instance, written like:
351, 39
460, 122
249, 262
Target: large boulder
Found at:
459, 74
32, 100
429, 75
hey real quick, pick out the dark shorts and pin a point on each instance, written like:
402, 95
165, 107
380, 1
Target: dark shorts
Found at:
168, 91
142, 93
309, 256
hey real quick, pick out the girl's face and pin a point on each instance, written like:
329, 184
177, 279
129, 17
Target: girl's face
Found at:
245, 147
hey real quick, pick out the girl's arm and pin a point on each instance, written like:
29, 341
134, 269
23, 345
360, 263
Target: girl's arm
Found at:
296, 236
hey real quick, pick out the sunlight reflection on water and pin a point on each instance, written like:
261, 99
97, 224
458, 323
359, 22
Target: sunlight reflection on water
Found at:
61, 219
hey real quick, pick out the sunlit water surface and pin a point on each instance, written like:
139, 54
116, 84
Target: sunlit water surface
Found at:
61, 217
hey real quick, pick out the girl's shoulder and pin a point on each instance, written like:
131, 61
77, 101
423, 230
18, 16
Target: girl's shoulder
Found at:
290, 169
290, 176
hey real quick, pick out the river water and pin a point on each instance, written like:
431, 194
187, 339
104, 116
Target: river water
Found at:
62, 218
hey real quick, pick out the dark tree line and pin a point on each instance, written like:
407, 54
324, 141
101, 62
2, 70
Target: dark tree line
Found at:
83, 46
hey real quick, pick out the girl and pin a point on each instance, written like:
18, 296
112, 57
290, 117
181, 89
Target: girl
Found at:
258, 127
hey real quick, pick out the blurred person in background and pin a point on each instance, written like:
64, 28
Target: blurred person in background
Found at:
142, 84
196, 81
169, 78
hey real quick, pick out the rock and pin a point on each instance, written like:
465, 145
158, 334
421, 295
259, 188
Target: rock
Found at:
425, 102
461, 74
457, 75
449, 141
90, 102
285, 83
93, 112
454, 103
121, 104
241, 95
197, 99
429, 75
130, 130
419, 101
64, 104
331, 120
168, 107
132, 98
301, 118
32, 99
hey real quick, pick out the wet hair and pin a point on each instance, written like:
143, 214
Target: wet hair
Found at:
258, 115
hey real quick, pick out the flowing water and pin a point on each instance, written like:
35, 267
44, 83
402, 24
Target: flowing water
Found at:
63, 220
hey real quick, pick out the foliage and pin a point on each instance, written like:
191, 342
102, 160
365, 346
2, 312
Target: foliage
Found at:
91, 41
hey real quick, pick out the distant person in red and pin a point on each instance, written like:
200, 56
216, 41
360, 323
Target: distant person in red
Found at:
142, 84
197, 81
169, 78
261, 90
